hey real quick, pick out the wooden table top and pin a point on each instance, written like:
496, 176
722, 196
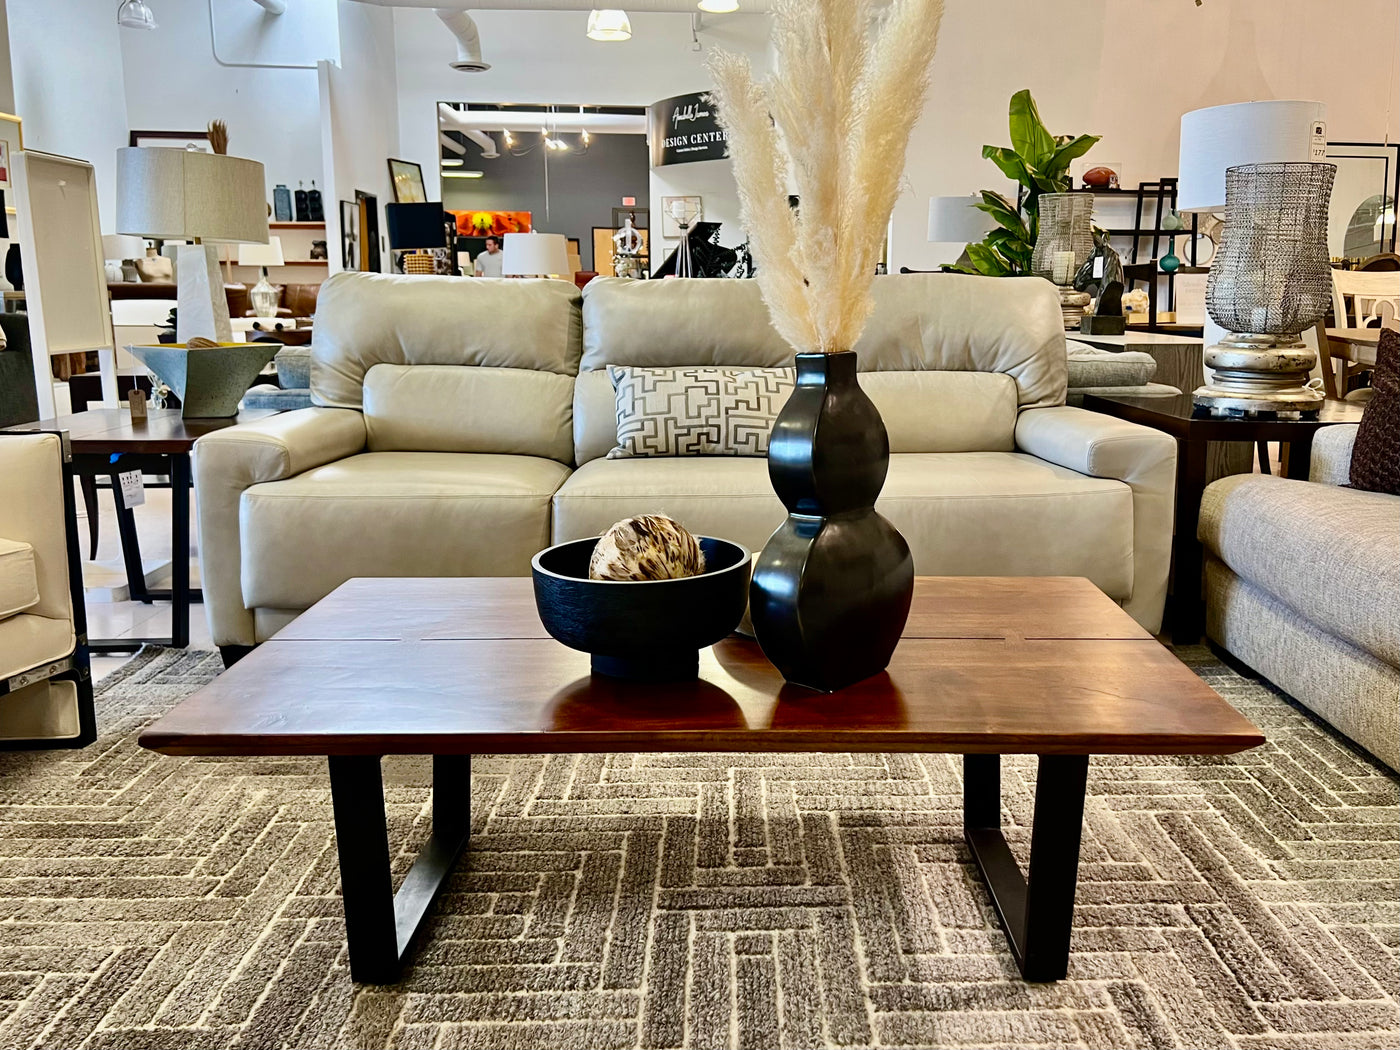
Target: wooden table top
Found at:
1177, 416
103, 430
463, 666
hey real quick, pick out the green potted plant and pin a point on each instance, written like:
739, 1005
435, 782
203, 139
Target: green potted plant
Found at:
1039, 163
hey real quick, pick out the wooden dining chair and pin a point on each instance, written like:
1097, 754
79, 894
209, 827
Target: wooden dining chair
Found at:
1375, 303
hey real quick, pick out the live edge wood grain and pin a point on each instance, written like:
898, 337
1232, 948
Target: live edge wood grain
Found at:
1046, 666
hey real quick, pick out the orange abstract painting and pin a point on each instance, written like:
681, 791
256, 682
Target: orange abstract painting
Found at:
491, 223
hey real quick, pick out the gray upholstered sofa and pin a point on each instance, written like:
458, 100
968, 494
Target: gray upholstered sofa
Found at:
1303, 586
465, 424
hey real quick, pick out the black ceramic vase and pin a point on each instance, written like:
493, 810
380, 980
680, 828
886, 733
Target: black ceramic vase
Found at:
831, 590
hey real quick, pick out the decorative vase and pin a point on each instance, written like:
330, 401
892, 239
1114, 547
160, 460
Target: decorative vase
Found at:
1066, 225
832, 587
1170, 262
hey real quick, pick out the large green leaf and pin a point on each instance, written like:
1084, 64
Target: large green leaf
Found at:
1002, 210
1011, 247
1010, 163
987, 261
1067, 150
1029, 136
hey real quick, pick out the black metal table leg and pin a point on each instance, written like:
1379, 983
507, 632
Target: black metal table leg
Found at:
131, 545
1036, 911
379, 925
180, 551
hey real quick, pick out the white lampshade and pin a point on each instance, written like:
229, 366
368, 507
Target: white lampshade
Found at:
176, 193
534, 254
269, 254
609, 25
957, 220
120, 246
1244, 133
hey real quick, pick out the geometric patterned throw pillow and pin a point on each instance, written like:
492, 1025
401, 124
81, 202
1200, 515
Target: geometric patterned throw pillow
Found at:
697, 411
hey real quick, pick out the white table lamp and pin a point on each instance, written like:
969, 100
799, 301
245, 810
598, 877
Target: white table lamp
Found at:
1222, 137
262, 295
957, 220
534, 255
186, 194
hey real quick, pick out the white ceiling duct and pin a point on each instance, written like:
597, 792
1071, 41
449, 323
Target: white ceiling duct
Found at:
468, 40
450, 119
746, 7
560, 121
448, 142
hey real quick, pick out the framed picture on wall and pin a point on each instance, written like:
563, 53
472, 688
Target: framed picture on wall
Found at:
407, 178
368, 206
170, 139
349, 235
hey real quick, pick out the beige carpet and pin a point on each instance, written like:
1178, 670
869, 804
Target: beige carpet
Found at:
709, 901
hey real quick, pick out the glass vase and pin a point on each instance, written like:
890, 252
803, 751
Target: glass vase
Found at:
1065, 238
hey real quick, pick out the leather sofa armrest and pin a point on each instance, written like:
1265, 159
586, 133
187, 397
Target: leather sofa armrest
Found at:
1144, 459
1331, 454
228, 461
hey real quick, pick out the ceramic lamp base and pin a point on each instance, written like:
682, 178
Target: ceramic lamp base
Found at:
1260, 375
202, 305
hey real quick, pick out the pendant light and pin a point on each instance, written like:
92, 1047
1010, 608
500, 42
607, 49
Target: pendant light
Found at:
609, 25
135, 14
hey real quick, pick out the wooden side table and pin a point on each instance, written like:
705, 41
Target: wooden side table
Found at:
1175, 416
106, 442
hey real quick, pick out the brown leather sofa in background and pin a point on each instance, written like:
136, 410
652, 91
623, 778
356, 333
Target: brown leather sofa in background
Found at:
298, 300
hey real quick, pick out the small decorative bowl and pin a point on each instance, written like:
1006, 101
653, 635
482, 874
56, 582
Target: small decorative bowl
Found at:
641, 629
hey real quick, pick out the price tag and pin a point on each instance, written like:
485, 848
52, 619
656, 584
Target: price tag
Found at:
133, 488
1319, 141
1098, 266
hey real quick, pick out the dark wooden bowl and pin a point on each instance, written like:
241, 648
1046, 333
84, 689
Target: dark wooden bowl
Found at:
644, 629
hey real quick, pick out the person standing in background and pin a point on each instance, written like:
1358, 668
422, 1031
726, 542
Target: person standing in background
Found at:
488, 263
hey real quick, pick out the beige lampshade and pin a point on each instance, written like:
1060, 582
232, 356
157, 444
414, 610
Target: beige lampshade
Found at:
534, 254
269, 254
176, 193
121, 246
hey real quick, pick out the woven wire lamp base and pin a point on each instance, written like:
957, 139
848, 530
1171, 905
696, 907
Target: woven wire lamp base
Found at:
1260, 377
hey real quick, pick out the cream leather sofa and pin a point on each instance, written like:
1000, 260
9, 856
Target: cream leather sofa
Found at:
465, 425
45, 682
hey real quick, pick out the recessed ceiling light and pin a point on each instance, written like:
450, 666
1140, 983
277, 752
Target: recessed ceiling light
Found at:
609, 25
718, 7
463, 174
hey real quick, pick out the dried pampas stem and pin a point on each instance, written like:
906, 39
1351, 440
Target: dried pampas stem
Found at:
218, 137
832, 121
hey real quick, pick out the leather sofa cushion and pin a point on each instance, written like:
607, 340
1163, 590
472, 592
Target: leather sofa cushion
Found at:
19, 585
451, 408
923, 411
393, 514
28, 640
934, 322
1329, 554
964, 514
365, 319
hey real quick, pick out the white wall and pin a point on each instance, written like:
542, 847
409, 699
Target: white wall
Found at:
174, 83
544, 57
1127, 70
359, 118
66, 62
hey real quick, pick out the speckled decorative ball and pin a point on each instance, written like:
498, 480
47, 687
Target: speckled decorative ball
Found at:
647, 547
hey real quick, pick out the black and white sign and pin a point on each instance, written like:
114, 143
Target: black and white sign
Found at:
683, 130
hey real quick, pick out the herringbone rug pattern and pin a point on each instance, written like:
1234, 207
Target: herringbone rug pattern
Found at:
696, 900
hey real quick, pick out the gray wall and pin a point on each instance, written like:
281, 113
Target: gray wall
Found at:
583, 187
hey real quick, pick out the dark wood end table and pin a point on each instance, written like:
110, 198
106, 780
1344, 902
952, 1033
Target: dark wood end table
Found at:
105, 442
455, 667
1176, 416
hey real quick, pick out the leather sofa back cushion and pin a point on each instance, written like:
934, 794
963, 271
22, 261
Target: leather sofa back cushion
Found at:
450, 408
923, 411
921, 322
366, 319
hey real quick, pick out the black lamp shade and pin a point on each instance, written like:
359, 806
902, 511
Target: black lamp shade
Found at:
416, 225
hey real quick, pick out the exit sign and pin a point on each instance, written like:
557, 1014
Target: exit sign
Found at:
629, 202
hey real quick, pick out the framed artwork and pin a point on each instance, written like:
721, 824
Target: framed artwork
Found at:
11, 140
368, 207
491, 223
171, 139
693, 206
349, 235
407, 178
1361, 214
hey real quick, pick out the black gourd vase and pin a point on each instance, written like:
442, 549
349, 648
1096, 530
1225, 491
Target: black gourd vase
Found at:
831, 590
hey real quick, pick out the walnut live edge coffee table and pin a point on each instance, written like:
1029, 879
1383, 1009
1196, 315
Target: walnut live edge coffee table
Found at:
455, 667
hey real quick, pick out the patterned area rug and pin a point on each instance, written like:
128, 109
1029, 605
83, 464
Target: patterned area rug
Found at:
696, 900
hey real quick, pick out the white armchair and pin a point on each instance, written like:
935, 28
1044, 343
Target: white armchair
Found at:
45, 679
